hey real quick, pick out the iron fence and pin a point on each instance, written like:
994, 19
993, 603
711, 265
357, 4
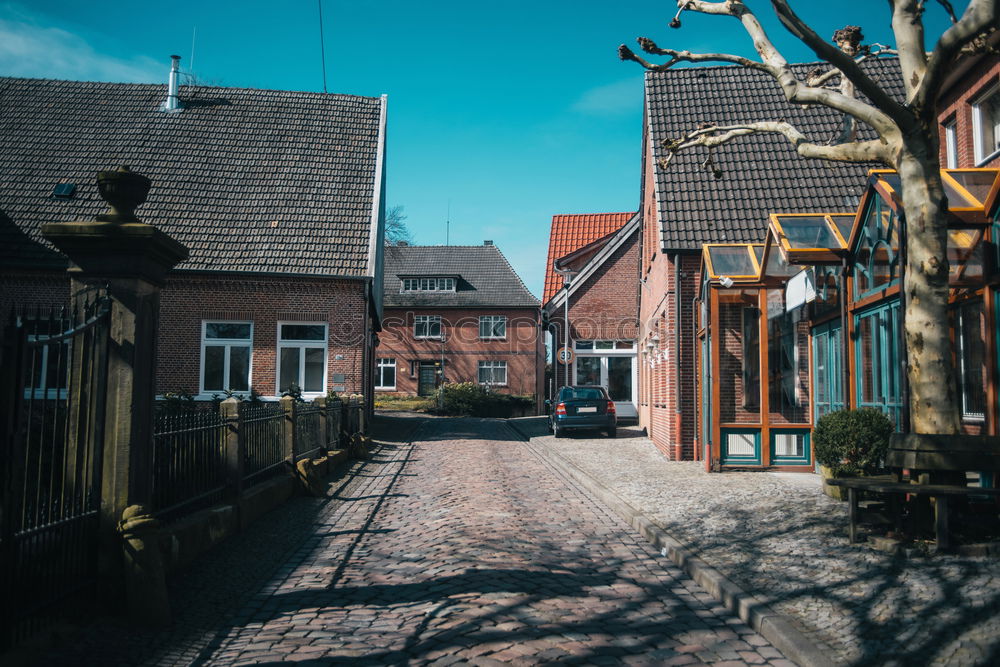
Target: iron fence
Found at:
262, 434
309, 435
189, 464
52, 398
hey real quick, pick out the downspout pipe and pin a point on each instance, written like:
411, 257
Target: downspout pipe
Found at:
678, 416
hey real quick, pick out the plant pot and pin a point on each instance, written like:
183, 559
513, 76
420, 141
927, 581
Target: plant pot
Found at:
835, 492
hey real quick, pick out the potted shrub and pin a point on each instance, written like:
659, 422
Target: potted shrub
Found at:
851, 443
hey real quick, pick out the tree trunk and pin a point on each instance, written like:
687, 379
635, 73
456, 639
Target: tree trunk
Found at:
932, 386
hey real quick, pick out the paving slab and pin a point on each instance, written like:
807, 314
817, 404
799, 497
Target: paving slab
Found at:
780, 541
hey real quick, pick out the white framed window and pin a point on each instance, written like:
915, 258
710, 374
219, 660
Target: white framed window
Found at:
492, 327
302, 350
226, 356
385, 373
951, 144
493, 373
986, 125
427, 326
435, 284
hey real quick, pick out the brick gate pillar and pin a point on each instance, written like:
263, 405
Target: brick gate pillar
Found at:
130, 259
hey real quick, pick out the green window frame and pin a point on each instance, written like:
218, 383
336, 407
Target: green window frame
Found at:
784, 458
739, 454
828, 369
879, 353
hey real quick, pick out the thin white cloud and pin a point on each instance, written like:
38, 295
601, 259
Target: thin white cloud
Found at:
31, 50
612, 99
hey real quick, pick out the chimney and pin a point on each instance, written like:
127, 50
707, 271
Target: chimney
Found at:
173, 102
487, 242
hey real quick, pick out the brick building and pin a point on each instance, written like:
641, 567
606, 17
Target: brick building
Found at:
970, 114
727, 199
279, 197
457, 314
599, 253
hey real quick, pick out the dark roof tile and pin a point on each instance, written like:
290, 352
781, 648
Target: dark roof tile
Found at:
224, 170
486, 277
761, 173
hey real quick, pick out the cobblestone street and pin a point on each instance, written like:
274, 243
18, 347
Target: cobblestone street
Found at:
460, 546
779, 539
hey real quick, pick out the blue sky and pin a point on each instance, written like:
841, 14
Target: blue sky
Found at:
502, 113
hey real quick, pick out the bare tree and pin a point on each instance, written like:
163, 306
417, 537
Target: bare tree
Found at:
907, 141
395, 227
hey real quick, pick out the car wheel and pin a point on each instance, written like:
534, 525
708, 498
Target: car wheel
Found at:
558, 432
612, 432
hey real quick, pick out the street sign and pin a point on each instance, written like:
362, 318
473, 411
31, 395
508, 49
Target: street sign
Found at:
565, 355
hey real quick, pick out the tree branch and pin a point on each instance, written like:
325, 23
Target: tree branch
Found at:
980, 17
775, 64
842, 61
874, 150
908, 27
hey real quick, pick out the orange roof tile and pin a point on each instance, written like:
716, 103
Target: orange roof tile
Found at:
572, 232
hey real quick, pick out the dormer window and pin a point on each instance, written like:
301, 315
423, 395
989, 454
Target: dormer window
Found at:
435, 284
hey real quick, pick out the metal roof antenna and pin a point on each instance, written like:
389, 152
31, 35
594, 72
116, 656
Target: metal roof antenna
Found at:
447, 226
322, 46
173, 102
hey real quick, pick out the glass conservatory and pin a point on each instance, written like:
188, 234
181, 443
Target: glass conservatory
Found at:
810, 322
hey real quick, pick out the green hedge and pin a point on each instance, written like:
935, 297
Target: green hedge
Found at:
473, 400
853, 442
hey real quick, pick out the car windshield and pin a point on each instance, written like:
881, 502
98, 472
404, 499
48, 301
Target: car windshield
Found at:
569, 393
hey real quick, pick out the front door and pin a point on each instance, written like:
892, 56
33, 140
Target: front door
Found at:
427, 380
616, 374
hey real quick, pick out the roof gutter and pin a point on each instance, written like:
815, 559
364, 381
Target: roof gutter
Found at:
273, 274
378, 205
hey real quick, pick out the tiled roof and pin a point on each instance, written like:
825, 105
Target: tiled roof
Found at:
572, 232
250, 180
761, 173
486, 278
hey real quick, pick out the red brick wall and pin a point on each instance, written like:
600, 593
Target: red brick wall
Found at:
462, 348
956, 104
661, 387
187, 300
25, 289
605, 306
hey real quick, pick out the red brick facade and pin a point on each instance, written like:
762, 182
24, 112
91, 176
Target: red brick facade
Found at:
667, 370
189, 299
461, 348
956, 105
604, 306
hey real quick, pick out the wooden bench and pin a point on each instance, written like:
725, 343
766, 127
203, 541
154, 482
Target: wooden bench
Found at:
923, 455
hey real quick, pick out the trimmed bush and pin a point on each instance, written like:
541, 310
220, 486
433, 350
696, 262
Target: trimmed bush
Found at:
853, 442
473, 400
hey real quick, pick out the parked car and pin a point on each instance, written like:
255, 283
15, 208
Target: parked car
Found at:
583, 407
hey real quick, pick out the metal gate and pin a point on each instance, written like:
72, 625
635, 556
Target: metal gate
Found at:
53, 381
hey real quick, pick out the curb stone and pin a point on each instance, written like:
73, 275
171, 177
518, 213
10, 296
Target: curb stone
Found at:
769, 624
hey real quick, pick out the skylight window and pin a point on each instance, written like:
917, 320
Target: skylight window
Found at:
64, 190
430, 284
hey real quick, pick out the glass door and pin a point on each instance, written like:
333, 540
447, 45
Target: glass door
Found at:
828, 376
614, 373
619, 384
878, 359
